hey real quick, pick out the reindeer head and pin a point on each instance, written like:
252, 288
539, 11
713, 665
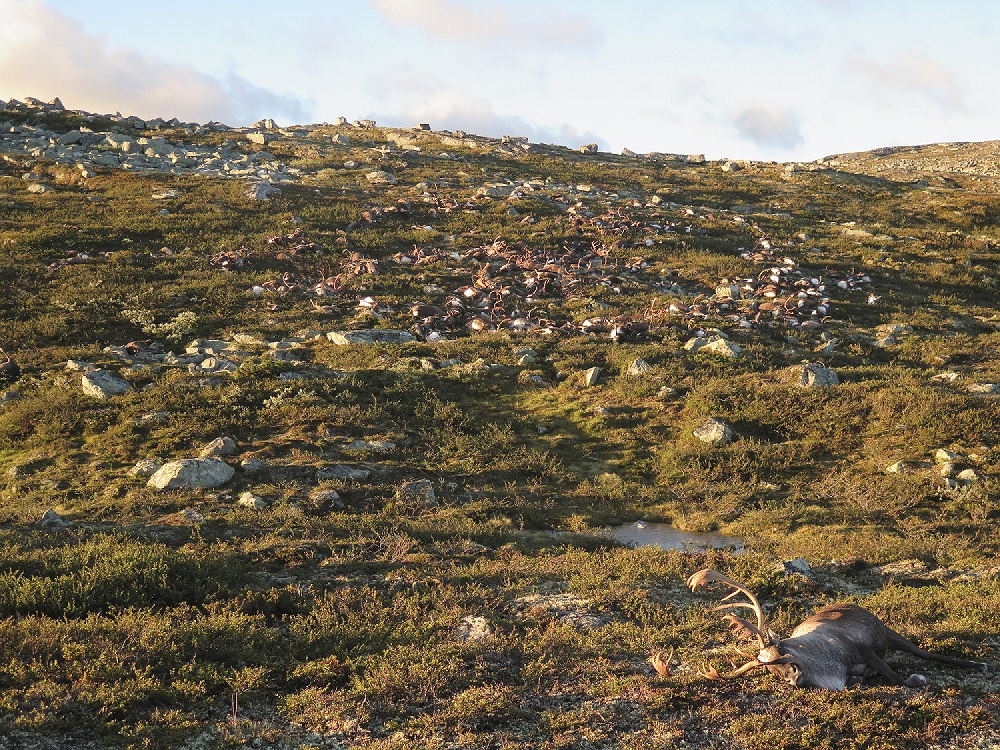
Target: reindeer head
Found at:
771, 656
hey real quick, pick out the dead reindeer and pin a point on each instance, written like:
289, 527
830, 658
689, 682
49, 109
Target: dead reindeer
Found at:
840, 645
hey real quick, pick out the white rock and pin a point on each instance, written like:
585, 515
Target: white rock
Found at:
590, 377
223, 446
639, 367
188, 473
967, 476
37, 187
714, 432
252, 501
714, 345
900, 467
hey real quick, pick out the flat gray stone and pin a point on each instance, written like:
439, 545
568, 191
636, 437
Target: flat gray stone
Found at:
371, 336
591, 376
190, 473
344, 472
103, 384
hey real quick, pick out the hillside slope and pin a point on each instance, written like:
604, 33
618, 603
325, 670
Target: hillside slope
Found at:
416, 373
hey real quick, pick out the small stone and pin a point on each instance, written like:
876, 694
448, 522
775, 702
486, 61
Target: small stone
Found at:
261, 191
373, 446
713, 345
900, 467
798, 566
327, 498
251, 501
727, 291
473, 628
192, 516
967, 476
145, 468
253, 466
53, 521
343, 472
591, 376
76, 365
380, 177
419, 490
103, 384
37, 187
639, 367
816, 376
714, 432
190, 473
943, 456
223, 446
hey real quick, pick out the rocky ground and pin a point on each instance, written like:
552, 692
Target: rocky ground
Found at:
310, 435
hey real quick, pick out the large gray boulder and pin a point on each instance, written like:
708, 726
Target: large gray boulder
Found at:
190, 473
103, 384
373, 336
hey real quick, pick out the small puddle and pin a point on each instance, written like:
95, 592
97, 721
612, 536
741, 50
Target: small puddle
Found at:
665, 536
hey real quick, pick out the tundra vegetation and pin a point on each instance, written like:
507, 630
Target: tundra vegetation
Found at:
324, 597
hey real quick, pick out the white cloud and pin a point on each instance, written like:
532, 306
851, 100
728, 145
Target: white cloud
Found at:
490, 21
769, 125
46, 54
451, 109
912, 72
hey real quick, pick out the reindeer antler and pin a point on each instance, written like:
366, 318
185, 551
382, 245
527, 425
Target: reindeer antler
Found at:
740, 626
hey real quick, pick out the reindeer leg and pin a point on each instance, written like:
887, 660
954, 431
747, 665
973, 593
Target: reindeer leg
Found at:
874, 661
899, 643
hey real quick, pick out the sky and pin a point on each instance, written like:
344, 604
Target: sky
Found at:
779, 80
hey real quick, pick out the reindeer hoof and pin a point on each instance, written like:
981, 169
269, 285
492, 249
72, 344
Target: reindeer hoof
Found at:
915, 681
